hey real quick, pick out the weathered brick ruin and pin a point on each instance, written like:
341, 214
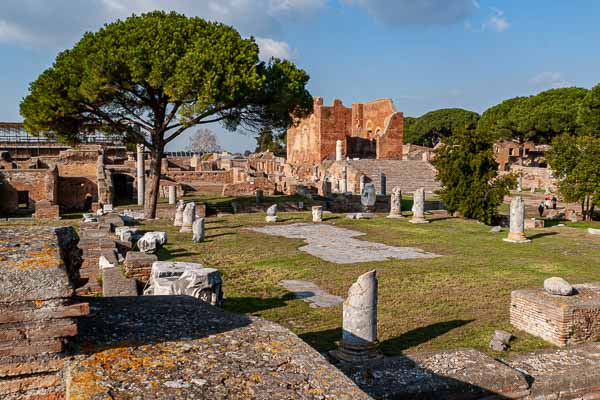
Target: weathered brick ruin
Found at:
561, 320
367, 130
39, 270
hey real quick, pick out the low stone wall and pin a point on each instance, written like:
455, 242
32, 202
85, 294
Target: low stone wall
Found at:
249, 188
540, 178
202, 352
39, 269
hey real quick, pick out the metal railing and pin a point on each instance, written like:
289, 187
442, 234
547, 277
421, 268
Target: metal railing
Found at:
15, 133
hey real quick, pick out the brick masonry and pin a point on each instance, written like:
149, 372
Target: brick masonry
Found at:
314, 138
561, 320
40, 268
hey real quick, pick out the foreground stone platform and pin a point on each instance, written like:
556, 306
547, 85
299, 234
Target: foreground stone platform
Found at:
569, 373
338, 245
452, 374
177, 347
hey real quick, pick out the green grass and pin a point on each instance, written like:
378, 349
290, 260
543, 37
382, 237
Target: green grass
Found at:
453, 301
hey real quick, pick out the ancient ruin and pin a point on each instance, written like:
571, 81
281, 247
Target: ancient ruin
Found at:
517, 221
359, 329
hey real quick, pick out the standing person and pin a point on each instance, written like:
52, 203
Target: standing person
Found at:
554, 202
541, 208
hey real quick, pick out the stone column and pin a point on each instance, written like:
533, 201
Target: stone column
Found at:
172, 194
368, 197
189, 216
198, 230
339, 150
396, 203
141, 178
345, 179
363, 179
517, 221
179, 213
317, 213
418, 207
271, 214
383, 184
359, 335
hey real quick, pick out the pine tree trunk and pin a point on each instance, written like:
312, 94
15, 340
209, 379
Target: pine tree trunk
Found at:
153, 186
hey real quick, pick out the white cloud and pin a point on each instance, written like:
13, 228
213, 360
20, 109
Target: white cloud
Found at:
273, 48
10, 32
497, 21
549, 79
399, 13
59, 23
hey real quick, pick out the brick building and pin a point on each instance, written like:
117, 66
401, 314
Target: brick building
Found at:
370, 130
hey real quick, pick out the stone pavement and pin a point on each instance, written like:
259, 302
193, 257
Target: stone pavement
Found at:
311, 293
452, 374
338, 245
178, 347
573, 372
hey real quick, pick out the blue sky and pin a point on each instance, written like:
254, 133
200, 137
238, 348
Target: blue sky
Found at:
423, 54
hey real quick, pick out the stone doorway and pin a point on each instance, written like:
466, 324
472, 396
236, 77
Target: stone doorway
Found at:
361, 148
123, 186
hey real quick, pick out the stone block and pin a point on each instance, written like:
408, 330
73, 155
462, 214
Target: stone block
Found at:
561, 320
184, 278
138, 265
45, 210
533, 223
114, 283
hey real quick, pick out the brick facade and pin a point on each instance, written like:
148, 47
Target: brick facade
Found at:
314, 138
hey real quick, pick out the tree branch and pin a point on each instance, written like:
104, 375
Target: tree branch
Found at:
104, 117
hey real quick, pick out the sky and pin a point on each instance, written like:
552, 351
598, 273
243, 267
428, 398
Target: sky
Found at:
423, 54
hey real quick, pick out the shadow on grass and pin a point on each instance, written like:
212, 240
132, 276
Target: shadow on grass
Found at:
329, 339
218, 235
165, 254
224, 227
548, 223
541, 235
395, 346
250, 305
433, 218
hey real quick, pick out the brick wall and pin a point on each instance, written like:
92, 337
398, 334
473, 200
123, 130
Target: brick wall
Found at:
561, 320
314, 138
32, 181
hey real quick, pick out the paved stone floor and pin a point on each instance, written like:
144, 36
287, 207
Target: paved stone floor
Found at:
311, 293
338, 245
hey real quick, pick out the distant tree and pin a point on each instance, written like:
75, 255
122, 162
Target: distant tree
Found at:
410, 136
589, 112
575, 162
469, 175
267, 141
151, 77
204, 141
537, 118
430, 128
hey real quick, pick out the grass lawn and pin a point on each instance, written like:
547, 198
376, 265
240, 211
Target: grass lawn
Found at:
453, 301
